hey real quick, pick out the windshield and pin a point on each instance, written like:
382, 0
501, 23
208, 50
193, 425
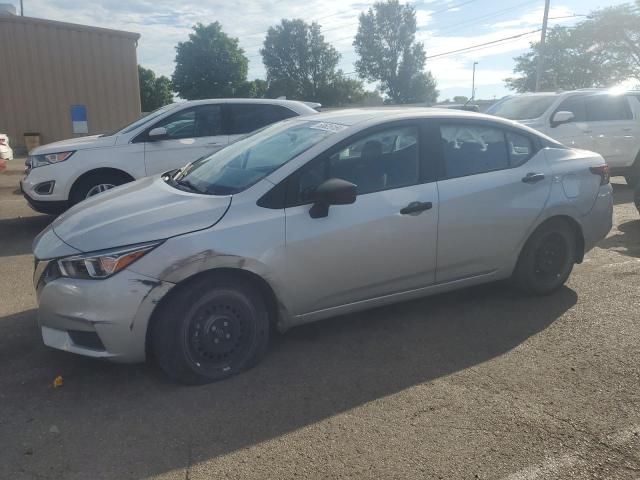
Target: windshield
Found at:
249, 160
522, 108
141, 121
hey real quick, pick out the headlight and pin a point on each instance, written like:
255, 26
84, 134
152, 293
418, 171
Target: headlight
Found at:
103, 264
48, 158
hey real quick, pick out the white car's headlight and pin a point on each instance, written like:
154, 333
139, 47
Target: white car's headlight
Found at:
48, 158
103, 264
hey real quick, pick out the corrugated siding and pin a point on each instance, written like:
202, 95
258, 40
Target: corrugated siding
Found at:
46, 67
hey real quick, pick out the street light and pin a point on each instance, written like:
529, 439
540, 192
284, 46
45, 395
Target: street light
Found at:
473, 81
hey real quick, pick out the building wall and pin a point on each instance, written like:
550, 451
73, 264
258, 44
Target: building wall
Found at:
46, 67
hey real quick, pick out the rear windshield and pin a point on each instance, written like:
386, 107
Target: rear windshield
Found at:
522, 108
249, 160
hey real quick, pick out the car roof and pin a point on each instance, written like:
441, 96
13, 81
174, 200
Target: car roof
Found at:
353, 116
296, 105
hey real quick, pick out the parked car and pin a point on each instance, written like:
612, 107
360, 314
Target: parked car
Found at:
6, 153
311, 218
599, 120
64, 173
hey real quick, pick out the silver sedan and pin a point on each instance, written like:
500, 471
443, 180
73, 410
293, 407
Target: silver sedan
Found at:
311, 218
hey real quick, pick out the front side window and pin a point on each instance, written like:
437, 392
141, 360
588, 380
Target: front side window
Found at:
519, 147
201, 121
575, 105
602, 108
247, 117
472, 149
380, 161
249, 160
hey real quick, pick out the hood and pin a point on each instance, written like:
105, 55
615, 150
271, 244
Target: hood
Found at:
80, 143
137, 212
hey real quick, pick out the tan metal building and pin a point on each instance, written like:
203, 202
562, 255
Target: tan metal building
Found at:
50, 69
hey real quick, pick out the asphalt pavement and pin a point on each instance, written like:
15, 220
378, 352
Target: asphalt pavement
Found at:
482, 383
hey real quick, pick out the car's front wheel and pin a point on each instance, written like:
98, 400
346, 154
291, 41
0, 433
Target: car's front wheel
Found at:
547, 258
94, 184
210, 329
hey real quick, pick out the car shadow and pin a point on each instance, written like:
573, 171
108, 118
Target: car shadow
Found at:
627, 241
622, 193
129, 422
17, 234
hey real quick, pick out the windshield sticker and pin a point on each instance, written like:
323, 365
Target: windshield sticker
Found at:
328, 127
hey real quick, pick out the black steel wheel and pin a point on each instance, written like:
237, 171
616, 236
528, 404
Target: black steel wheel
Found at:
547, 258
210, 329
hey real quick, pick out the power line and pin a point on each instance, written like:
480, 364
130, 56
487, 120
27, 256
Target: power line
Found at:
472, 21
471, 47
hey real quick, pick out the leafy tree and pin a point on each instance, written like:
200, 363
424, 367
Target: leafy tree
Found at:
601, 51
301, 65
154, 91
614, 33
209, 65
460, 99
252, 89
389, 54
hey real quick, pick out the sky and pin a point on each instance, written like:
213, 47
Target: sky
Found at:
443, 26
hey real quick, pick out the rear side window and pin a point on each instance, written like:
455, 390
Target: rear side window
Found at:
246, 117
472, 149
602, 108
576, 106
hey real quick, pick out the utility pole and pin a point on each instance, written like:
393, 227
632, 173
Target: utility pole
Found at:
21, 9
473, 81
541, 52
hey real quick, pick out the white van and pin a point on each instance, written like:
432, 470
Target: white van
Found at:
599, 120
64, 173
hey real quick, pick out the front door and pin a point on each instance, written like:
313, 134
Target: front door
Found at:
191, 133
493, 187
577, 132
371, 248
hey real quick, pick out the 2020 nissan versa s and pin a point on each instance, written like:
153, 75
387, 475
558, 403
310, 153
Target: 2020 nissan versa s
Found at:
310, 218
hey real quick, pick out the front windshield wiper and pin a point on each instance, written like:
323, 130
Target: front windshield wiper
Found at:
188, 184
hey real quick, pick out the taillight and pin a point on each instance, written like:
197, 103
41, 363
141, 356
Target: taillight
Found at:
603, 172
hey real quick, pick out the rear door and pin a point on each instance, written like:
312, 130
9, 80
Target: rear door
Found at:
613, 128
370, 248
191, 133
244, 118
493, 185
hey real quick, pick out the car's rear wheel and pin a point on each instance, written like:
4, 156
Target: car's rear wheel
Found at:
94, 184
547, 258
211, 329
632, 176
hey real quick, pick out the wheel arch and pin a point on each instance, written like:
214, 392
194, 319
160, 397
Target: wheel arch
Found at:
96, 172
274, 308
575, 227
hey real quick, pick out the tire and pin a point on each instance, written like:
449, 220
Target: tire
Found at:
214, 328
83, 189
633, 174
547, 258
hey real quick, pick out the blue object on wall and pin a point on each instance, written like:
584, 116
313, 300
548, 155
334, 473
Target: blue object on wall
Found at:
79, 119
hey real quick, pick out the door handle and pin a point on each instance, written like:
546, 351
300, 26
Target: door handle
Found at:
416, 207
215, 144
533, 177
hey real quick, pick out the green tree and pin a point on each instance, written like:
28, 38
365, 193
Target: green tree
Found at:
301, 65
209, 65
154, 91
602, 51
460, 99
389, 54
614, 34
252, 89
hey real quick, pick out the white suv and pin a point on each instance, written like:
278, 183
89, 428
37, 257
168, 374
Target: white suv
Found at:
599, 120
64, 173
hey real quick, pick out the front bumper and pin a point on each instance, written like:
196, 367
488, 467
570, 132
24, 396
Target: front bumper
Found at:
112, 313
53, 202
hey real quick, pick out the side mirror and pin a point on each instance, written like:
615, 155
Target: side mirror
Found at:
334, 191
561, 117
159, 133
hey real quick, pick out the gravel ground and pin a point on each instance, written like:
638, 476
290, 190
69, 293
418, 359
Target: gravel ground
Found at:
481, 383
